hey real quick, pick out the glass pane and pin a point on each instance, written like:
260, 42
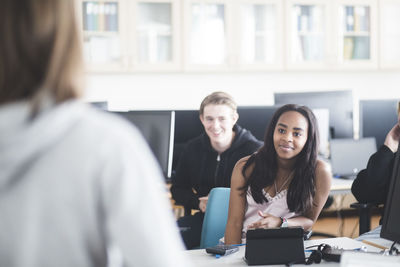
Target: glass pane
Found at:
153, 49
356, 47
154, 27
308, 26
258, 33
100, 16
356, 32
391, 34
207, 37
102, 49
357, 19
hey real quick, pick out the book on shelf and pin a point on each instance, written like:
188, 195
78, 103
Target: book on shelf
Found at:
349, 19
100, 16
361, 48
348, 47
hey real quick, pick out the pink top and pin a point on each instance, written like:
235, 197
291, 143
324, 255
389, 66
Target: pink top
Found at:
276, 206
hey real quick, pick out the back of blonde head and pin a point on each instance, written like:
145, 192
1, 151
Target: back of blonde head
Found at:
40, 51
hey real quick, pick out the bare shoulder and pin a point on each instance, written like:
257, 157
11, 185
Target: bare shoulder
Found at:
323, 172
241, 162
323, 166
237, 174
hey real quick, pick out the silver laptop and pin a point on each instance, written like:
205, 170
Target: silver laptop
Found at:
349, 156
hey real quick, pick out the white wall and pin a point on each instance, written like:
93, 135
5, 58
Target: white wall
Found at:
185, 91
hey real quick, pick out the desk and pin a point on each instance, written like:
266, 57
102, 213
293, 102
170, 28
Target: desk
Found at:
201, 259
341, 186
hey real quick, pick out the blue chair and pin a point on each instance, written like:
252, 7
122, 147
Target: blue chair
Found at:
215, 218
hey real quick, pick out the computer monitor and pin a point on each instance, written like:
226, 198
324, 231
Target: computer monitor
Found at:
377, 117
322, 116
256, 119
391, 218
349, 156
187, 127
339, 103
157, 127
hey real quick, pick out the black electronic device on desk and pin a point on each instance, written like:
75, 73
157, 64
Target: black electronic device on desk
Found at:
222, 250
391, 217
275, 246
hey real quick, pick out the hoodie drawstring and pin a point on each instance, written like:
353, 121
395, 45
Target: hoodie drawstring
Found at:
216, 169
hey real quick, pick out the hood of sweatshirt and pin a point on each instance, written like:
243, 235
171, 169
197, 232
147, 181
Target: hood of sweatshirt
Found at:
23, 138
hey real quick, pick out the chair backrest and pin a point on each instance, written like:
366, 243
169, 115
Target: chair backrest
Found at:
216, 216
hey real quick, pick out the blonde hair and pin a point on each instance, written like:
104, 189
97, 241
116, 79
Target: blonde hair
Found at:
218, 98
398, 107
40, 51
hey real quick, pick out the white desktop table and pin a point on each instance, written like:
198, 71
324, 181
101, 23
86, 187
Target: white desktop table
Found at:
201, 259
341, 186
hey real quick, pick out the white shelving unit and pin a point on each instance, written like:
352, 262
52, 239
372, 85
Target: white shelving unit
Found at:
389, 39
239, 35
356, 28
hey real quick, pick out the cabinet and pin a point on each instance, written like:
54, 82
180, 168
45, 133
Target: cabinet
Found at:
240, 35
154, 35
389, 34
357, 34
232, 35
102, 24
129, 35
330, 34
206, 35
309, 34
258, 36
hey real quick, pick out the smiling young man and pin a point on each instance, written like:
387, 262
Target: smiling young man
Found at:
208, 160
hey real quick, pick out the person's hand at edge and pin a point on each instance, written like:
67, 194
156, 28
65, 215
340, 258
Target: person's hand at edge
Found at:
393, 137
203, 203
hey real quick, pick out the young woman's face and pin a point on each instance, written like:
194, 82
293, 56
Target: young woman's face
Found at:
218, 121
290, 134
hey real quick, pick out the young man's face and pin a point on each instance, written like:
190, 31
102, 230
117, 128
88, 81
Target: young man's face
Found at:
218, 122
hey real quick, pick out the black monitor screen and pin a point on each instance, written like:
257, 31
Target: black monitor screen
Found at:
377, 117
391, 218
187, 127
339, 104
157, 127
256, 119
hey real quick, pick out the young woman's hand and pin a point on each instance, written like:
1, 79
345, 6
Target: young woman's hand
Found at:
267, 221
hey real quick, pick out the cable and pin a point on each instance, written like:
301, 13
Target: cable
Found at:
393, 250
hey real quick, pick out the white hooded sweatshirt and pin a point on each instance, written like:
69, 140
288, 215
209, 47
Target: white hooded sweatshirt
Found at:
75, 183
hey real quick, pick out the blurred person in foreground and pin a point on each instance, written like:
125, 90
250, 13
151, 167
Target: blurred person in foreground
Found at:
78, 186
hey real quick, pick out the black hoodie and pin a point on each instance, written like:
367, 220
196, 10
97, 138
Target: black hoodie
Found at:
372, 184
200, 168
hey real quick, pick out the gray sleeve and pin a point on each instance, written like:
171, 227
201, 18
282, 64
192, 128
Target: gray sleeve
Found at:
139, 219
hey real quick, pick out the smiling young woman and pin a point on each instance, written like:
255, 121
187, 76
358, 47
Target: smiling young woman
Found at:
283, 184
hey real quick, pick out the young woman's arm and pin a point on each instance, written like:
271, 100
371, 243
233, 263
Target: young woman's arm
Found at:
323, 181
237, 205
